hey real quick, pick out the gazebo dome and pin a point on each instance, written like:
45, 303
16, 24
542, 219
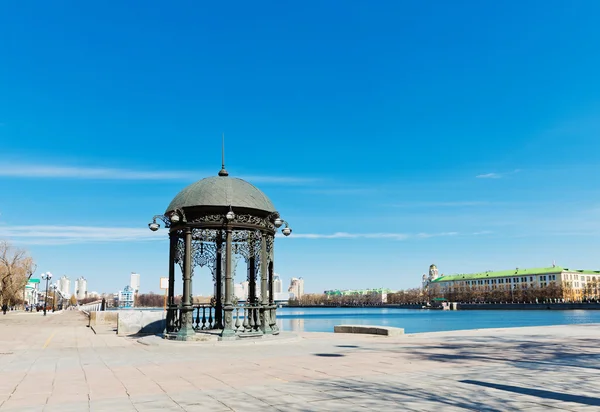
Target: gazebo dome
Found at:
221, 191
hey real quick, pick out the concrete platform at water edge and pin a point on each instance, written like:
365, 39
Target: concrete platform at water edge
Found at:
56, 363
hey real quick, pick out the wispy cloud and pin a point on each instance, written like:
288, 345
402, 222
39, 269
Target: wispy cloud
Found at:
65, 235
391, 236
428, 235
496, 175
489, 176
35, 171
20, 170
482, 232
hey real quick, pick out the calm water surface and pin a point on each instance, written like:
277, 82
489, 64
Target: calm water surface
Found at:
415, 321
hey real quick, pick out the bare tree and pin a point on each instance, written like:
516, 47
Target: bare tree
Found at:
16, 268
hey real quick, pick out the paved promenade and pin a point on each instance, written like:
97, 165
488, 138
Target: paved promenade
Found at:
56, 363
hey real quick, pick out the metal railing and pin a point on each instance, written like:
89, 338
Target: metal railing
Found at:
247, 319
90, 307
204, 317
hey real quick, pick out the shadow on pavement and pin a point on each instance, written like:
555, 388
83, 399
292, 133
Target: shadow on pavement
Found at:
565, 397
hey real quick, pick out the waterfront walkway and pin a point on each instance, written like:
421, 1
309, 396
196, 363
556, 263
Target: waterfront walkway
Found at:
56, 363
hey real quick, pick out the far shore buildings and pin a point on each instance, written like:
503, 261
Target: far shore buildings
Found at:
278, 294
64, 285
80, 288
433, 275
134, 282
296, 288
240, 290
32, 291
381, 293
576, 284
277, 284
126, 298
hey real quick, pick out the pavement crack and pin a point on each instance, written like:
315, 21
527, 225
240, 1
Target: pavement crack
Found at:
161, 388
122, 384
85, 377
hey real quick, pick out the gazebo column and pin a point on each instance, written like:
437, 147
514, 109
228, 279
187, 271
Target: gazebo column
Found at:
264, 287
186, 330
171, 308
228, 309
252, 312
252, 280
219, 285
273, 313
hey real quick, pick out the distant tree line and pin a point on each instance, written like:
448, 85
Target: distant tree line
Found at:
315, 299
149, 300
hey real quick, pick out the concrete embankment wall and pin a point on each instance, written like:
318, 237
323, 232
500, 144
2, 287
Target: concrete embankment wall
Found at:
529, 306
147, 322
129, 322
393, 305
103, 318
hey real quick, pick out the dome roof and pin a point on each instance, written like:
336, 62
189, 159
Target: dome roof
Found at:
222, 191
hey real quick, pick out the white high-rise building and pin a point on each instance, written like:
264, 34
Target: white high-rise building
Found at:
245, 289
134, 282
64, 285
240, 290
81, 288
296, 288
277, 284
278, 294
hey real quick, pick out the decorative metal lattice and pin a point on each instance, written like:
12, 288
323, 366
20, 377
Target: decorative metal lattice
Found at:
204, 254
245, 244
270, 248
239, 219
180, 253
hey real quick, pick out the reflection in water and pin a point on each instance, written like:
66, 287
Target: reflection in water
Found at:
291, 325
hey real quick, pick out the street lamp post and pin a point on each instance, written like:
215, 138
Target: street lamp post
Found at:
54, 298
46, 276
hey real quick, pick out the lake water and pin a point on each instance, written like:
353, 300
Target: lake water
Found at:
415, 321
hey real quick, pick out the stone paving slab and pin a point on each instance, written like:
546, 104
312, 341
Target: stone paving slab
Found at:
57, 363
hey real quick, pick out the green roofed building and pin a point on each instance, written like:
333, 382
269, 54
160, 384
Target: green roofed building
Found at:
574, 281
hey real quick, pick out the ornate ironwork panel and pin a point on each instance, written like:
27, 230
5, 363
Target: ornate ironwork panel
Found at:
204, 254
270, 247
238, 219
180, 253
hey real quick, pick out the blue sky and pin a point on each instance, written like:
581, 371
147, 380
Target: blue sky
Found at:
391, 134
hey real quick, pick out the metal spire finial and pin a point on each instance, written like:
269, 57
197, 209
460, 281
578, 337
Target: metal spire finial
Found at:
223, 172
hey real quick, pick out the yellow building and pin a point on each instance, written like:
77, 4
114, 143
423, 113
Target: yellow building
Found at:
572, 285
